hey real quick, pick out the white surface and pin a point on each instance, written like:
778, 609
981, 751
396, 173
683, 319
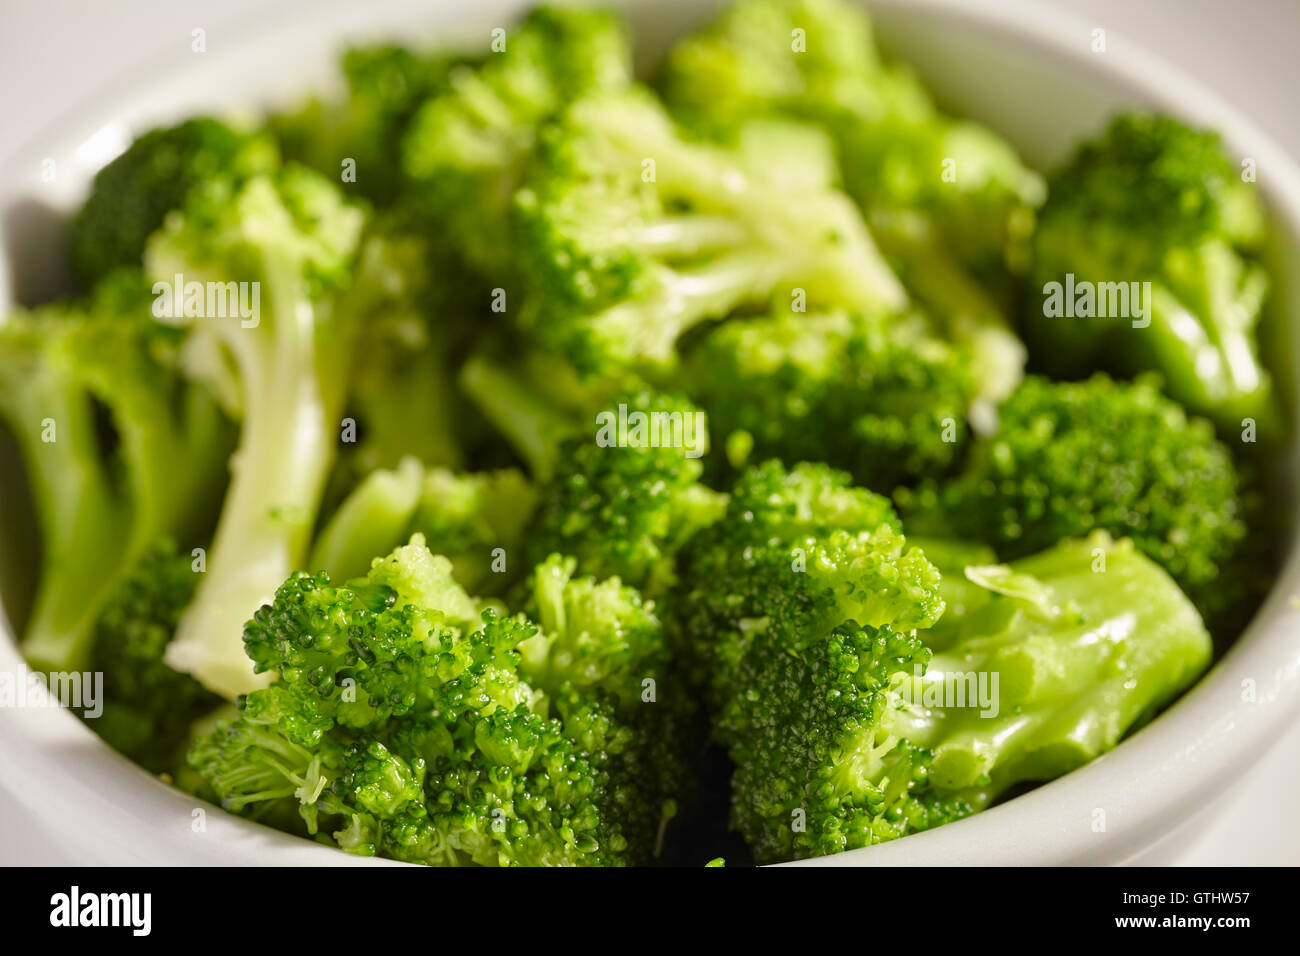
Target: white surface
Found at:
53, 53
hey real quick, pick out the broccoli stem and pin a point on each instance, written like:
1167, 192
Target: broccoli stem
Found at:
533, 426
959, 302
1080, 656
277, 474
81, 522
684, 298
378, 513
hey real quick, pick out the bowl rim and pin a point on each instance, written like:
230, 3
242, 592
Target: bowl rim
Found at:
1166, 770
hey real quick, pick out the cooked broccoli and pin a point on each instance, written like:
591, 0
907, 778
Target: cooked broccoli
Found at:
133, 194
625, 507
385, 85
401, 723
476, 520
1073, 457
120, 451
883, 399
371, 461
949, 202
148, 707
1050, 672
1152, 201
467, 147
281, 369
630, 233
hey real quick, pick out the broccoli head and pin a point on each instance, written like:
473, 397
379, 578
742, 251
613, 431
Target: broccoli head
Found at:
863, 734
385, 84
1073, 457
402, 722
1152, 201
133, 194
467, 146
624, 499
630, 232
882, 399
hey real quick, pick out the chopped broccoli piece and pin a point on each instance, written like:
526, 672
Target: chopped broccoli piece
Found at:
1049, 672
949, 202
466, 149
120, 450
630, 234
883, 399
1153, 201
283, 371
385, 85
1070, 458
625, 508
133, 194
401, 723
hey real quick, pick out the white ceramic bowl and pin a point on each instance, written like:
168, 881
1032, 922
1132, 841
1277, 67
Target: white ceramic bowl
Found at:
1027, 72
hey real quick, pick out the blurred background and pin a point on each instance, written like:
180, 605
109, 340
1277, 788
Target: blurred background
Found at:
53, 53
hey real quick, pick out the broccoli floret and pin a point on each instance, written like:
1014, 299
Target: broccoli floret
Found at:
464, 154
1071, 457
798, 550
601, 641
134, 193
883, 399
625, 504
1153, 201
630, 233
591, 635
893, 739
283, 370
949, 202
477, 520
148, 707
811, 58
385, 85
120, 451
400, 724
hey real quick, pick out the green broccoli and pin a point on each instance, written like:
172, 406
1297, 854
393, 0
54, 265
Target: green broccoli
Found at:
630, 233
949, 202
883, 399
1152, 201
148, 707
282, 370
477, 520
121, 451
801, 544
385, 85
857, 735
626, 508
134, 193
401, 725
464, 154
1072, 457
